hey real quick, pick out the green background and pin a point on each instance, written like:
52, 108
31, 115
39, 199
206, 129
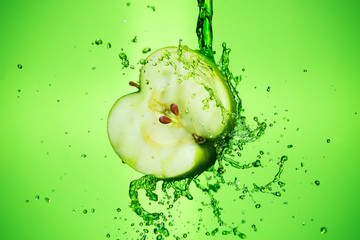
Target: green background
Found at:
54, 109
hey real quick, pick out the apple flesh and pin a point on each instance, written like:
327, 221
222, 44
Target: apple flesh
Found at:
168, 127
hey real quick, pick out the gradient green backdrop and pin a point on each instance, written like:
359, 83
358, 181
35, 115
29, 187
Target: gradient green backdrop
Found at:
54, 109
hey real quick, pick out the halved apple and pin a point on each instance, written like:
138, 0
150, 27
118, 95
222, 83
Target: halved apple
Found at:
169, 126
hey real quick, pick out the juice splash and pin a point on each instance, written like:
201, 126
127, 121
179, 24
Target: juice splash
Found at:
228, 147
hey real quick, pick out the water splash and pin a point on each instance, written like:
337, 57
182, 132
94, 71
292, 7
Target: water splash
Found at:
228, 146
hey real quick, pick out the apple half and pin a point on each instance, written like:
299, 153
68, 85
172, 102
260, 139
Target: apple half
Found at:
169, 126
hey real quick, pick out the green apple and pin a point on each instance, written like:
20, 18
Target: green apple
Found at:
169, 126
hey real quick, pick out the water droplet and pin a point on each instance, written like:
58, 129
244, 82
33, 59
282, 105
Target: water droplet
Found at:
142, 61
85, 211
83, 155
47, 200
184, 235
98, 41
122, 56
258, 205
19, 66
317, 182
305, 70
151, 7
37, 197
243, 69
268, 89
93, 210
290, 146
323, 230
73, 211
281, 184
125, 63
254, 227
108, 235
257, 163
118, 209
328, 141
146, 50
242, 235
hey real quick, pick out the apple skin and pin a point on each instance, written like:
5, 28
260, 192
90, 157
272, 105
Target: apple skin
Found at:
205, 153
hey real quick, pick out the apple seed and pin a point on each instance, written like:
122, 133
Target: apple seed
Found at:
164, 120
174, 109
